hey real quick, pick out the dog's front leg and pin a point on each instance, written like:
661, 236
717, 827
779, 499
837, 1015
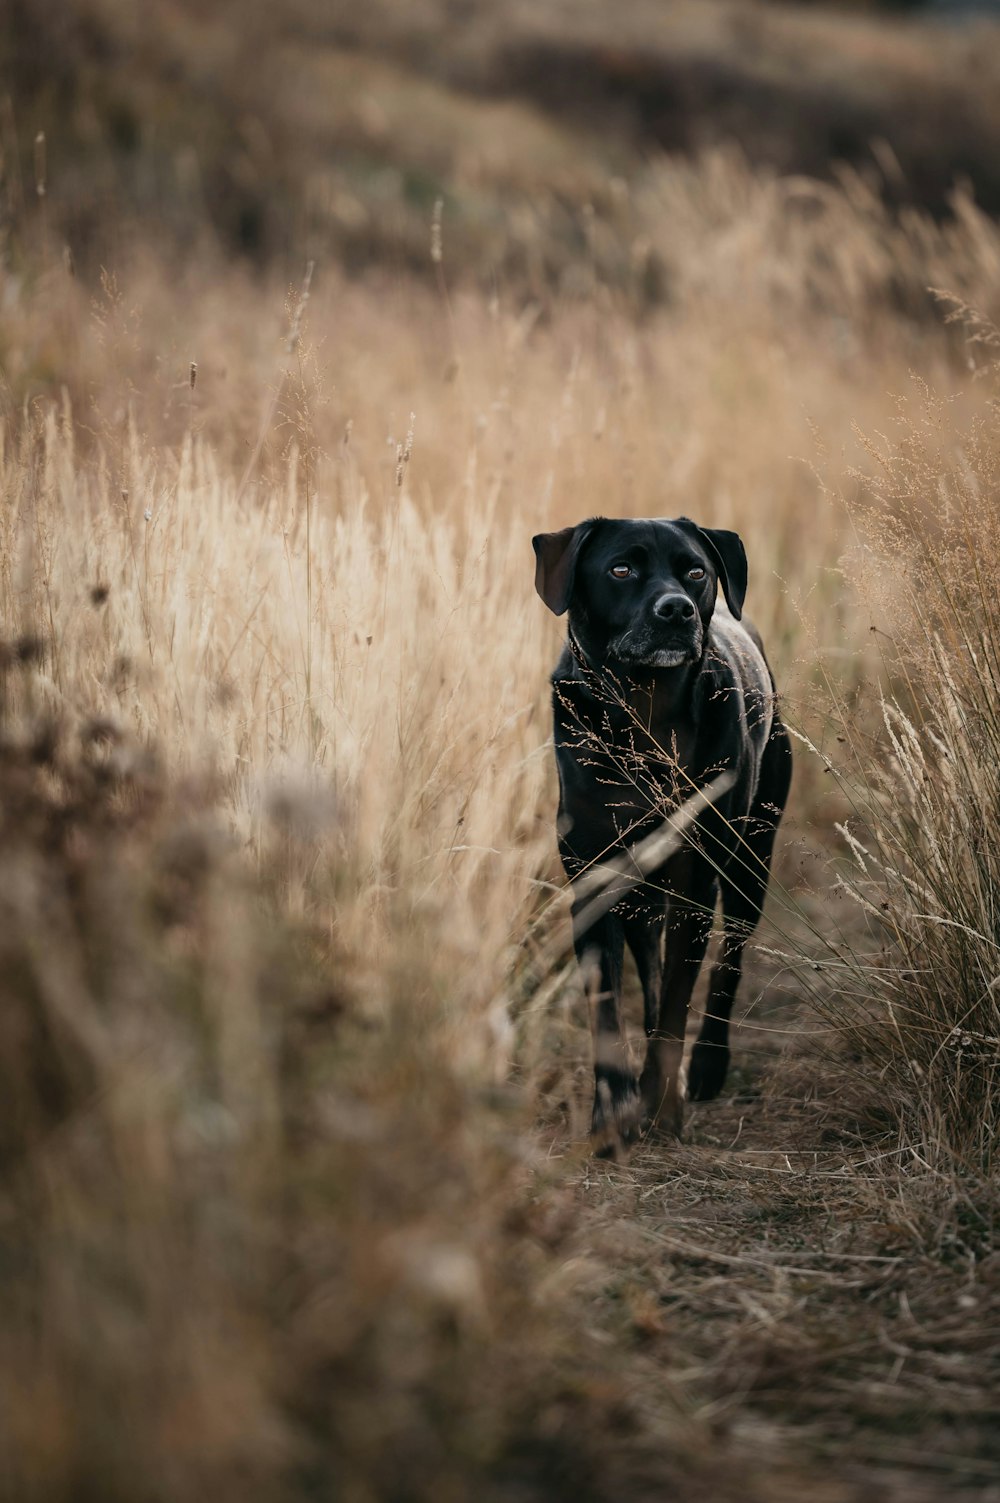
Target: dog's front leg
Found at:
617, 1110
689, 925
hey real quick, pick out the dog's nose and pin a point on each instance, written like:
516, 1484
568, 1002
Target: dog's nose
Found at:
674, 607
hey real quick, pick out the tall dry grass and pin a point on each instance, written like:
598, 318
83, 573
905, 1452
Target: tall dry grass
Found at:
922, 780
278, 848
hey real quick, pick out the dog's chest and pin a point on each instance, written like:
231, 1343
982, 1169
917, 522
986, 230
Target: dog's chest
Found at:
621, 766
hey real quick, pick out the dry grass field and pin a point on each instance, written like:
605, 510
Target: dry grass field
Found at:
296, 1196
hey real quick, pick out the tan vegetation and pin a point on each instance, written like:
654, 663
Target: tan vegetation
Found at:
292, 1057
330, 130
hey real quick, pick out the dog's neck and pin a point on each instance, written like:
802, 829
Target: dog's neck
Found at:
659, 697
656, 696
579, 656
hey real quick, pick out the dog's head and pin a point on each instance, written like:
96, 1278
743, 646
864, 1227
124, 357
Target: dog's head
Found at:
640, 593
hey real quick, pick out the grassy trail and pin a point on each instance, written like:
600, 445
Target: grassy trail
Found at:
779, 1281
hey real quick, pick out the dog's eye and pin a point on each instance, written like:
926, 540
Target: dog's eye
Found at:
620, 571
696, 574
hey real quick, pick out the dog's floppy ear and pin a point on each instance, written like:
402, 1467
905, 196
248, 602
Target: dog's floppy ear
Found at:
730, 556
556, 554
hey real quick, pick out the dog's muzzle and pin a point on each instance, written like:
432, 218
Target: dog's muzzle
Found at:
659, 644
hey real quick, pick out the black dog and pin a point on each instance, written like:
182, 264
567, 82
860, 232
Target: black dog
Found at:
672, 763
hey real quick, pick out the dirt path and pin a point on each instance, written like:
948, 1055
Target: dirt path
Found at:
806, 1301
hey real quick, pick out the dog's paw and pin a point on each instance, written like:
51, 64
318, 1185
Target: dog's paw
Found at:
663, 1118
707, 1070
616, 1120
663, 1105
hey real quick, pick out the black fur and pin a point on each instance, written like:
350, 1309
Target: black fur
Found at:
659, 693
